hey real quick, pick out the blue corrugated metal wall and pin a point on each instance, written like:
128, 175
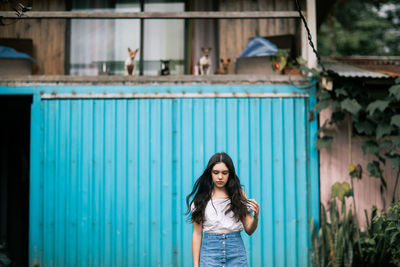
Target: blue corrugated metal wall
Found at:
116, 173
109, 176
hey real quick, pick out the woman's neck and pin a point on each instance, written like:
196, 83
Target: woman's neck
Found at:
219, 193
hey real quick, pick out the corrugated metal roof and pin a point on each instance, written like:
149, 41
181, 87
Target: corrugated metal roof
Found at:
390, 70
364, 66
349, 71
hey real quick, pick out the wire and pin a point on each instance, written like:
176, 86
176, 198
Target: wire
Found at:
309, 36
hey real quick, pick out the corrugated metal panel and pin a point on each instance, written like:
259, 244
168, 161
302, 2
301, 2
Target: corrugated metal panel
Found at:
115, 174
350, 71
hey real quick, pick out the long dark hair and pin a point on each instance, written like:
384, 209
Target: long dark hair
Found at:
202, 190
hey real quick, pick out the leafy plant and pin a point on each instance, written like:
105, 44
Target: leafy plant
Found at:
368, 114
336, 241
381, 241
282, 59
333, 243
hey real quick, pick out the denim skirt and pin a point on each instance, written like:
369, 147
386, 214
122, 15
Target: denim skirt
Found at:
222, 250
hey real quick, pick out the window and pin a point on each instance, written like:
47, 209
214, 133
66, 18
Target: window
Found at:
101, 46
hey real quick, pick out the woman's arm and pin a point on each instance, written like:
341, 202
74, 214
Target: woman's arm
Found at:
250, 223
196, 242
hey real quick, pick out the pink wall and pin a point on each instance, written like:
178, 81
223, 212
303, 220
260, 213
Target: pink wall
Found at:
334, 162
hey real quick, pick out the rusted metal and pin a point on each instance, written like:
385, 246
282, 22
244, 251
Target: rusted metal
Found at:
367, 66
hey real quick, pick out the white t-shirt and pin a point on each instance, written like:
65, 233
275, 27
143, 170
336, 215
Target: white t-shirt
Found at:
215, 219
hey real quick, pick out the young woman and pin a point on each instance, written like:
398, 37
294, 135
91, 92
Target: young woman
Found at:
221, 210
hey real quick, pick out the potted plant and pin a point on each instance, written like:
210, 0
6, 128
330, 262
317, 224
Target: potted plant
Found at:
285, 64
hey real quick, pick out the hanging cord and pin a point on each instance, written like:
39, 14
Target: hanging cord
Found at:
309, 35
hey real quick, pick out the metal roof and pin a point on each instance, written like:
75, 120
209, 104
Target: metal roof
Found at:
364, 66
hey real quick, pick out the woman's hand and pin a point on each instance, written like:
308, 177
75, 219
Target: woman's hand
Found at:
249, 223
255, 207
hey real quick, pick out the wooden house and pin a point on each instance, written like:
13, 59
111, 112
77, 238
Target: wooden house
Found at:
77, 35
101, 162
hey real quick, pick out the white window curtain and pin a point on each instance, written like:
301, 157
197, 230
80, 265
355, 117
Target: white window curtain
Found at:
101, 46
164, 39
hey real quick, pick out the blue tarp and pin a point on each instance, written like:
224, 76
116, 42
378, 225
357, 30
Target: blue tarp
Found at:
258, 47
8, 52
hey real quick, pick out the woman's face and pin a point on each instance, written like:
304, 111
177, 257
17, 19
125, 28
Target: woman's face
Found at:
220, 174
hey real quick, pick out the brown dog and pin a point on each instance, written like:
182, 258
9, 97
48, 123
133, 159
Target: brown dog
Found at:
223, 69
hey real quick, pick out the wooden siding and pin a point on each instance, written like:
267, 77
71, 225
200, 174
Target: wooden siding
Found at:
334, 162
234, 34
48, 37
154, 15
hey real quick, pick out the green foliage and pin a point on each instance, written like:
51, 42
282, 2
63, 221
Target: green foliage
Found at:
333, 242
361, 27
337, 116
364, 127
396, 141
395, 120
339, 242
280, 59
341, 92
372, 113
351, 105
395, 91
395, 161
386, 143
341, 190
321, 105
324, 141
381, 242
380, 105
370, 147
374, 169
383, 129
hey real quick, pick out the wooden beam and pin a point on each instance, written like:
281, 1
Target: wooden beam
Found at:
312, 24
149, 15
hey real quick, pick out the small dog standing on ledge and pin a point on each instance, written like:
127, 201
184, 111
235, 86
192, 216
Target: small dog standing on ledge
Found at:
130, 64
224, 66
203, 67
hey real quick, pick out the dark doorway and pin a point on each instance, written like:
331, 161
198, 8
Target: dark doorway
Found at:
15, 116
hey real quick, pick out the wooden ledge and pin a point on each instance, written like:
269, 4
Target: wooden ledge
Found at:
153, 80
151, 15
